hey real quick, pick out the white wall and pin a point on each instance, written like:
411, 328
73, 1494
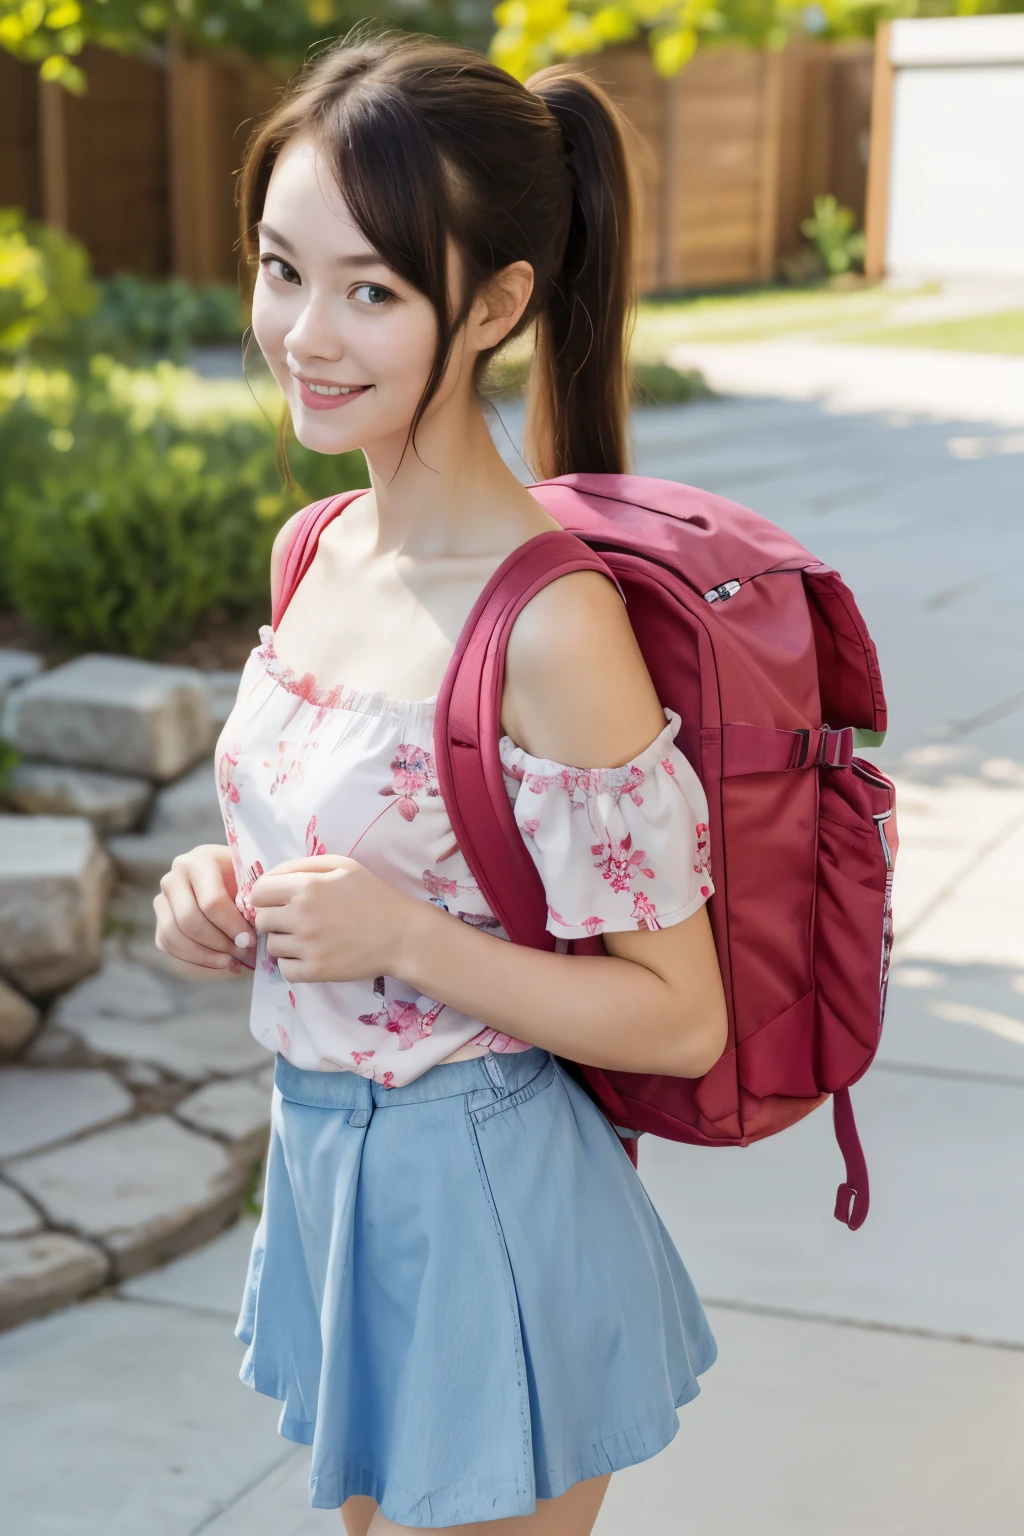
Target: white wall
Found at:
956, 189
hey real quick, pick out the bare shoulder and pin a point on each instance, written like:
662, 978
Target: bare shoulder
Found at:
279, 551
577, 690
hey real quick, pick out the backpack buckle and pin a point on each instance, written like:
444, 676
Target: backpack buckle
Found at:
835, 748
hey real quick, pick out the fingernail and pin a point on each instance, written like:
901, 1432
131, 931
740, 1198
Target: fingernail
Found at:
243, 940
236, 966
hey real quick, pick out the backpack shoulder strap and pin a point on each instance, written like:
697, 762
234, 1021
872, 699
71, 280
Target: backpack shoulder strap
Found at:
301, 547
467, 729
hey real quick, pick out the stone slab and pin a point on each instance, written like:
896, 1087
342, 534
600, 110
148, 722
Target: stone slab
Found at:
17, 667
113, 802
190, 806
279, 1506
237, 1112
807, 1430
38, 1108
120, 1419
939, 1250
210, 1279
18, 1020
45, 1271
54, 878
191, 1046
955, 1018
17, 1217
145, 1191
119, 989
113, 712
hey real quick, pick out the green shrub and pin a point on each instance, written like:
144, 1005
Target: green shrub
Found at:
129, 508
45, 289
139, 319
833, 234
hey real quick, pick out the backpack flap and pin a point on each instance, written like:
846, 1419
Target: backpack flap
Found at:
849, 679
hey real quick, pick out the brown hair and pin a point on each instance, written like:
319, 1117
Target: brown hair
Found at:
431, 143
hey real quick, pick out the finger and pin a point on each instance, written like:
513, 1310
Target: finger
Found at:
314, 865
214, 902
172, 941
275, 890
189, 917
284, 946
275, 920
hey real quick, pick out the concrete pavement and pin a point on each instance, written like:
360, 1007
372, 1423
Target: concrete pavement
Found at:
870, 1381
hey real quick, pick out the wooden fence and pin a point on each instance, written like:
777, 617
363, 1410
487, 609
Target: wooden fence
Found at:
732, 153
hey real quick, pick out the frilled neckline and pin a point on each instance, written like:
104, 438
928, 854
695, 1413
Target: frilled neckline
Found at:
304, 686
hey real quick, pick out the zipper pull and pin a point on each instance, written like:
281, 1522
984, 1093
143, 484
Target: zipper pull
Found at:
723, 593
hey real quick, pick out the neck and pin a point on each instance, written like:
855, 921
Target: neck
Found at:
451, 494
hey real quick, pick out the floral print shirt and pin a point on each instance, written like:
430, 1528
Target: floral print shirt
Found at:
307, 770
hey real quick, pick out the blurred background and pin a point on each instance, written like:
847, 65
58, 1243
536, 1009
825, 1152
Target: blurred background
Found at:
831, 331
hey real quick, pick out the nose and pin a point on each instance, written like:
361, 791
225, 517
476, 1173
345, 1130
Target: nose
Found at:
313, 336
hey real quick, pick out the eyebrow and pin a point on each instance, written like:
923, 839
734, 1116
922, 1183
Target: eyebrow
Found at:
369, 259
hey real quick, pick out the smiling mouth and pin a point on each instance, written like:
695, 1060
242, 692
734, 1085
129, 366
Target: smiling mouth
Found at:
334, 389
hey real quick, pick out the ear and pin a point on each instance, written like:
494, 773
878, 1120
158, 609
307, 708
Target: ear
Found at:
499, 305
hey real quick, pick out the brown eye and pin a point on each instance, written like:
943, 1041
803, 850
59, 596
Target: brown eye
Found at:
275, 266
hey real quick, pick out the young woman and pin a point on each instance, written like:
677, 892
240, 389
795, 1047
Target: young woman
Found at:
459, 1289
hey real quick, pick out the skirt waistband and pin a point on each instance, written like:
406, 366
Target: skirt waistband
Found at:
491, 1076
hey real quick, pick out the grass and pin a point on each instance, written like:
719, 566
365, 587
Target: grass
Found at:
874, 316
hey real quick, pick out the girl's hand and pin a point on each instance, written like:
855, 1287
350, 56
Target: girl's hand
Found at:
329, 919
196, 917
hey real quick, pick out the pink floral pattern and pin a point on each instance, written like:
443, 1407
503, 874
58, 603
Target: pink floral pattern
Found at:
565, 814
304, 769
412, 770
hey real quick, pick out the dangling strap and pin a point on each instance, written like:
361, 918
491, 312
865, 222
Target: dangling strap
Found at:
854, 1197
302, 547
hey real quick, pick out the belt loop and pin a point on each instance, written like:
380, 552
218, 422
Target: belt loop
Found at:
361, 1116
493, 1069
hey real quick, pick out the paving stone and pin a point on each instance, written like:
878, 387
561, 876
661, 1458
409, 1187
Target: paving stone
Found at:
222, 688
120, 989
56, 1047
113, 802
54, 878
18, 1019
210, 1279
143, 858
145, 1191
39, 1108
16, 667
237, 1112
45, 1271
192, 1046
131, 907
17, 1217
113, 712
190, 806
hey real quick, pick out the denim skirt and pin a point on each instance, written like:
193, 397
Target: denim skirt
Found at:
460, 1291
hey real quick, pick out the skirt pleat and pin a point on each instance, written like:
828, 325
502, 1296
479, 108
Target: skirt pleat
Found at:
460, 1292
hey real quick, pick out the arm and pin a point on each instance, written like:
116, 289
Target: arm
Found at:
577, 691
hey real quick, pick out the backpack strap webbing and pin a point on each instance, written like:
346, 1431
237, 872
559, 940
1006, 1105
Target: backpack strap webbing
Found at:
302, 547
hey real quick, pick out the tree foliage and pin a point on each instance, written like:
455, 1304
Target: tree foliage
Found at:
533, 33
53, 33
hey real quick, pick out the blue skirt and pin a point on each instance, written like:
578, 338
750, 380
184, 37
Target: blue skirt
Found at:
460, 1291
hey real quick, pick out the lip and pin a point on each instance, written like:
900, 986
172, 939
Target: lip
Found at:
316, 402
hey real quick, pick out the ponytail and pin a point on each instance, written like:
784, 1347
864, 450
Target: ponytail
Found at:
579, 394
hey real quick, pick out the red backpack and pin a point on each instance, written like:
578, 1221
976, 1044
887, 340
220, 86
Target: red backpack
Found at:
755, 645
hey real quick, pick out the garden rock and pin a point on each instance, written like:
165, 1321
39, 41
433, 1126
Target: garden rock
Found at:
190, 806
222, 688
17, 1217
143, 858
45, 1271
54, 877
236, 1112
144, 1191
40, 1108
113, 712
17, 667
113, 802
18, 1020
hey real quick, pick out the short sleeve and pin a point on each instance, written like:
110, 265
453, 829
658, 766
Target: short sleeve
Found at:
616, 848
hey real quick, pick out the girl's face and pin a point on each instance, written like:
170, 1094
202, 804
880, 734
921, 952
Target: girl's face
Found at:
349, 342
